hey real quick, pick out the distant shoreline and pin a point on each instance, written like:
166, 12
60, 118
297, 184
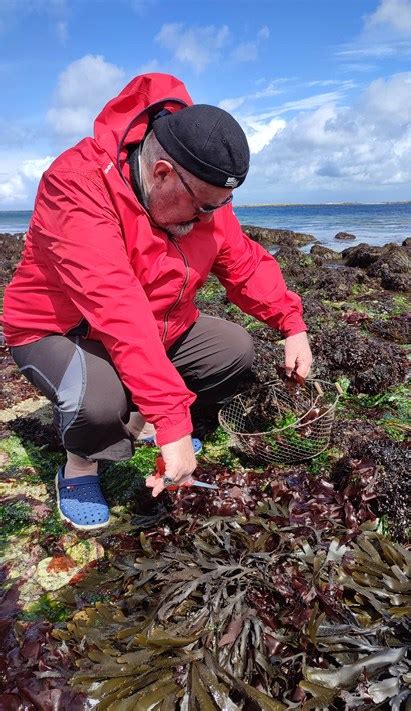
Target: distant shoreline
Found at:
322, 204
285, 204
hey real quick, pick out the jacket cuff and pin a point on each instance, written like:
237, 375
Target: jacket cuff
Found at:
293, 324
293, 329
167, 434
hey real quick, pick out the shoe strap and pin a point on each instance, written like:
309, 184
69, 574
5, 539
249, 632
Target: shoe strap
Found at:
77, 481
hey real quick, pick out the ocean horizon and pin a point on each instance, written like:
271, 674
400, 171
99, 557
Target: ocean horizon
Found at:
373, 223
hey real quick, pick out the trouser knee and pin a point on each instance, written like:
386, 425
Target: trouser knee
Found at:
244, 350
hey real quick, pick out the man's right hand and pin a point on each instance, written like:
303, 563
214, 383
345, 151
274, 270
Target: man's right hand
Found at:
180, 463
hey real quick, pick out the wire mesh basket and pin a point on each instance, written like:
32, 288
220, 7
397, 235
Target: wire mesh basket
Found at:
298, 426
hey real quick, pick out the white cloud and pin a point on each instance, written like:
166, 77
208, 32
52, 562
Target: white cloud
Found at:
197, 46
14, 12
272, 89
376, 50
385, 35
22, 184
82, 90
264, 33
248, 51
259, 134
394, 13
151, 66
339, 150
245, 52
141, 7
390, 99
232, 104
62, 31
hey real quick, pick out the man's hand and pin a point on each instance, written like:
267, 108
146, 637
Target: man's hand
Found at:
180, 463
298, 354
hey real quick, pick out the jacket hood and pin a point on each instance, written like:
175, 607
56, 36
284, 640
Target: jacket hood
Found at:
125, 118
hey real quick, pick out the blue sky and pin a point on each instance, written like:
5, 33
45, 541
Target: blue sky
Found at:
321, 87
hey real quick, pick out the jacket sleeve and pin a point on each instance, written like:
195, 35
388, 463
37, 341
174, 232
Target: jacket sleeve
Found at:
254, 282
84, 245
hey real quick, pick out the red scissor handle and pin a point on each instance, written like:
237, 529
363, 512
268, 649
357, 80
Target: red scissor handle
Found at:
159, 472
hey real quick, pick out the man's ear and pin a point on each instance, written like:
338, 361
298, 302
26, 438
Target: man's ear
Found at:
162, 170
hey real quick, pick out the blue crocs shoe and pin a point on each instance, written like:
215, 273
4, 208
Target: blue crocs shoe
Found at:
197, 443
81, 502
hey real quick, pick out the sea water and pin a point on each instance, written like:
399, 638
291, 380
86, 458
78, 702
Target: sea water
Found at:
375, 224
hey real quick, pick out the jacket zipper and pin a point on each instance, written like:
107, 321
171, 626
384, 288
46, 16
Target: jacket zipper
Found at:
180, 295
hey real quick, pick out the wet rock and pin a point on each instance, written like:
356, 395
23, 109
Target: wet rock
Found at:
392, 281
267, 237
393, 268
362, 255
325, 253
345, 236
391, 264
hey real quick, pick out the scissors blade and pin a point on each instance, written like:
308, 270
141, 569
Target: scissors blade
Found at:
203, 484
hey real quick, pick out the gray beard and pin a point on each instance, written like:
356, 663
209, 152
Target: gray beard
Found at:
180, 230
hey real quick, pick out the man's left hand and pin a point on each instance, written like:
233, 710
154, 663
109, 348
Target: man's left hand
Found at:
298, 354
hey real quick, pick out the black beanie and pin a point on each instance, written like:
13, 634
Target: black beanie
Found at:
206, 141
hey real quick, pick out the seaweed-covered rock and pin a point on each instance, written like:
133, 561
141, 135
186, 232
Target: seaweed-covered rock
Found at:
393, 268
11, 247
362, 255
386, 465
338, 284
391, 264
396, 328
344, 236
371, 365
267, 236
325, 253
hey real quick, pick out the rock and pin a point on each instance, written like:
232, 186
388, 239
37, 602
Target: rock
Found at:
372, 365
267, 237
345, 236
393, 268
57, 571
407, 242
391, 280
325, 253
391, 264
11, 247
86, 551
338, 284
362, 255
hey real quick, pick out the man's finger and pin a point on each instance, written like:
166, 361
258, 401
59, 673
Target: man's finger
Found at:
303, 369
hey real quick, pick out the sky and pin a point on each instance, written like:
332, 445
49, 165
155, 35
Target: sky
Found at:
322, 88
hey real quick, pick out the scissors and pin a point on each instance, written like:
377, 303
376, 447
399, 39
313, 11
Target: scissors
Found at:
169, 483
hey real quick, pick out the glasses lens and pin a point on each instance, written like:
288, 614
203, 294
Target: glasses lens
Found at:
201, 208
212, 208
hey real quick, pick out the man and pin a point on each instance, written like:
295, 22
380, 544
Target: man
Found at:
100, 314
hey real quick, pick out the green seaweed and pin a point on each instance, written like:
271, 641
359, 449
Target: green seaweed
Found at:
47, 607
15, 517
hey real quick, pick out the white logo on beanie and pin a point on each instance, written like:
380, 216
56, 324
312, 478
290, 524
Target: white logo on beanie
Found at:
231, 183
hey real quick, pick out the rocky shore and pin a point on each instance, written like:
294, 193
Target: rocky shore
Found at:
329, 534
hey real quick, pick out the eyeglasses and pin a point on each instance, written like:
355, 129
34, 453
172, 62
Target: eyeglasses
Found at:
205, 209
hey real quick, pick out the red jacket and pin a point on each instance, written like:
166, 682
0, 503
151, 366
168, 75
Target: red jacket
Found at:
92, 253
